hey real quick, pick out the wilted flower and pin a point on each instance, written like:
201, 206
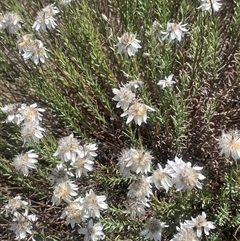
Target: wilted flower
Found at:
167, 82
73, 212
186, 234
26, 161
31, 131
137, 112
153, 229
64, 191
128, 44
45, 19
12, 22
229, 144
124, 96
31, 113
174, 31
68, 148
22, 224
184, 176
201, 223
123, 160
12, 110
92, 232
15, 204
156, 28
210, 5
93, 203
161, 178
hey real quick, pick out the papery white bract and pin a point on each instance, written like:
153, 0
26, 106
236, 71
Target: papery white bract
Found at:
210, 5
167, 82
137, 112
201, 224
128, 44
92, 232
174, 31
26, 161
153, 229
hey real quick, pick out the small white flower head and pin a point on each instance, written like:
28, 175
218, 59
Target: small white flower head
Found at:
12, 110
82, 165
229, 144
124, 96
153, 229
200, 223
135, 207
186, 234
174, 31
92, 232
140, 161
68, 148
32, 132
123, 160
64, 191
31, 113
140, 188
210, 5
12, 22
22, 224
88, 150
161, 178
59, 174
23, 42
128, 44
15, 204
73, 212
133, 85
26, 161
65, 2
35, 51
45, 19
137, 112
93, 204
184, 176
167, 82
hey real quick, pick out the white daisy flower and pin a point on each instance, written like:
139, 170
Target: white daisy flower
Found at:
59, 174
201, 224
88, 150
64, 191
140, 161
161, 178
74, 212
92, 232
31, 131
68, 149
93, 204
229, 144
167, 82
186, 234
31, 113
137, 112
26, 161
210, 5
15, 204
184, 176
128, 44
140, 188
45, 19
124, 96
82, 165
174, 31
22, 224
12, 110
153, 229
12, 22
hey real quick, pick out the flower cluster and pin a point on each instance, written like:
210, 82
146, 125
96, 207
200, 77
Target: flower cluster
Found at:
22, 222
132, 106
11, 21
45, 18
